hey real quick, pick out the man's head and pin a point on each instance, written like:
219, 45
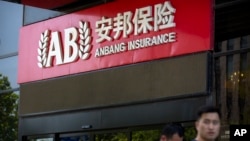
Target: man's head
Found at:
172, 132
208, 123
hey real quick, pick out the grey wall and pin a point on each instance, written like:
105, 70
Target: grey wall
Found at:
142, 82
174, 110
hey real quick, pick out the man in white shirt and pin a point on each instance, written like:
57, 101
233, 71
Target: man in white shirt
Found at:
208, 124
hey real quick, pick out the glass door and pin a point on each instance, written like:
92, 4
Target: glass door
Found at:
115, 136
40, 138
76, 137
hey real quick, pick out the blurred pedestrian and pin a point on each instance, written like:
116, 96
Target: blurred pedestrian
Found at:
208, 123
172, 132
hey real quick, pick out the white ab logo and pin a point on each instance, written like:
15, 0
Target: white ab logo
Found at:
50, 46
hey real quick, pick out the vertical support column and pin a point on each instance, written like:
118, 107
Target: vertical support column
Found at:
223, 92
235, 84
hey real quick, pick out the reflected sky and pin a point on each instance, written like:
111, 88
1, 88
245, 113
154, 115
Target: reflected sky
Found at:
11, 21
8, 67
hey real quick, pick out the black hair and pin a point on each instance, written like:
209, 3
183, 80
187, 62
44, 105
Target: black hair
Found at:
173, 128
207, 109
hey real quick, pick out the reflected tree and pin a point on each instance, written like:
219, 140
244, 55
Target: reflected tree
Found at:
111, 137
146, 135
238, 88
143, 135
189, 133
8, 111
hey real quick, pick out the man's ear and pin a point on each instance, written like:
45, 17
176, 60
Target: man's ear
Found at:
196, 124
164, 137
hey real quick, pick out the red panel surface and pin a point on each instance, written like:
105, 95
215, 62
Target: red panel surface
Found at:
193, 31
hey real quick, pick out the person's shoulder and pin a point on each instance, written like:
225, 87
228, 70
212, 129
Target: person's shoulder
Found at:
193, 140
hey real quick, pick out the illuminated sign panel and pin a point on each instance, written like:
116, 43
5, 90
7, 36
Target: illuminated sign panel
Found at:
113, 35
76, 45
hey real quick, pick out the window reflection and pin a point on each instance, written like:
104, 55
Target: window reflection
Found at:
233, 81
244, 96
244, 42
9, 29
111, 137
41, 139
76, 138
230, 44
9, 69
218, 47
146, 135
142, 134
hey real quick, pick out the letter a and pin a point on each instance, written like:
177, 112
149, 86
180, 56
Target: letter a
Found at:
237, 132
54, 50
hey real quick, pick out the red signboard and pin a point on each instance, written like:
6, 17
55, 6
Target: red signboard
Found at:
113, 34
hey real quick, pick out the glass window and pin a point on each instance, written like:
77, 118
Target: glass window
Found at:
34, 14
218, 47
11, 21
120, 136
231, 80
9, 69
230, 67
243, 62
244, 96
230, 44
244, 43
146, 135
41, 138
76, 137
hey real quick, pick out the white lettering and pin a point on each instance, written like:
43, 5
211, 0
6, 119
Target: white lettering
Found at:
118, 25
239, 132
55, 50
243, 131
155, 40
103, 28
163, 16
142, 19
71, 47
172, 37
112, 49
128, 27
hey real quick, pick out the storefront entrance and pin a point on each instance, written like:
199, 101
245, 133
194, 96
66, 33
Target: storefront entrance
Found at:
135, 134
144, 133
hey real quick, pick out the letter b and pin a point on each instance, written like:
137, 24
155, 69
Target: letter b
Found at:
70, 47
